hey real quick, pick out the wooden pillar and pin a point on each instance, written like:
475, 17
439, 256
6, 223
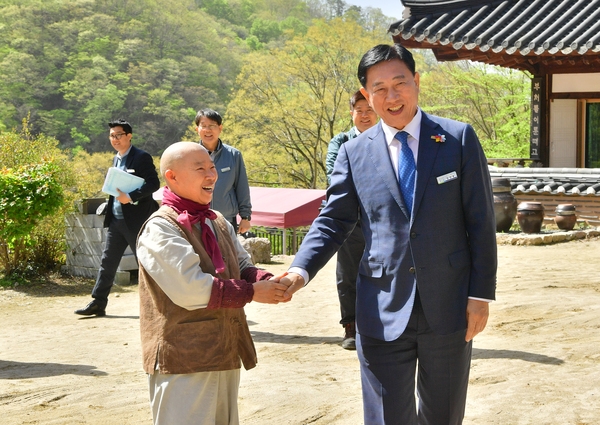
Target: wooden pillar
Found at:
284, 242
294, 241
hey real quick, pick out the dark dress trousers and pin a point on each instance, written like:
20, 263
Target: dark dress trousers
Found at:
123, 232
447, 246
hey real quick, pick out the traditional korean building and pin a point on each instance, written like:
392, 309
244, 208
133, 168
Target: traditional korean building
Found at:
558, 43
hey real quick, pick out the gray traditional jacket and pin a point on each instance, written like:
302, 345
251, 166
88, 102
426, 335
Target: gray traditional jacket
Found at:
232, 192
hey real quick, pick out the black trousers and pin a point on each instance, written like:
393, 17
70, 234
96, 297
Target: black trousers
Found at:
348, 259
118, 237
441, 364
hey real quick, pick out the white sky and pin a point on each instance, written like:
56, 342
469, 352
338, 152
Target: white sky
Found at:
391, 8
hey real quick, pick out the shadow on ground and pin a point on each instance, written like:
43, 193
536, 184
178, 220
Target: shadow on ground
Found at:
24, 370
482, 353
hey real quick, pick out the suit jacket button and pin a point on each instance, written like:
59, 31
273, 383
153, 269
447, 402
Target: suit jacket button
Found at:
413, 235
412, 270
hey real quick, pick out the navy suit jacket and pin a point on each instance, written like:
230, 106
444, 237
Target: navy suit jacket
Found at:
449, 245
144, 205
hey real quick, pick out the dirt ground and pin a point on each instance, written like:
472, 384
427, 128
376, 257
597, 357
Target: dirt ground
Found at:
538, 362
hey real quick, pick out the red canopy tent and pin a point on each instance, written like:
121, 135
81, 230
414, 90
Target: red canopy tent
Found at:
285, 208
281, 207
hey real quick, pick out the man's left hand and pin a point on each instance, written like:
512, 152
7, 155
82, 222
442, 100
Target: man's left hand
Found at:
123, 197
244, 226
477, 317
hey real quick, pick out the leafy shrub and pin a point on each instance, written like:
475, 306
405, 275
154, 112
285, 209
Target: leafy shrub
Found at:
41, 245
28, 194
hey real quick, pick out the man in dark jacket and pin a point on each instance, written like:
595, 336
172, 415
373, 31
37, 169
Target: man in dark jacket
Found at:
125, 213
350, 253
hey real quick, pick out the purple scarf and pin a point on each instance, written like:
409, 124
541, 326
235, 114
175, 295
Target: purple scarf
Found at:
190, 213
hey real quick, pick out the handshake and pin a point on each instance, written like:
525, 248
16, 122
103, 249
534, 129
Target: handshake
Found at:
278, 289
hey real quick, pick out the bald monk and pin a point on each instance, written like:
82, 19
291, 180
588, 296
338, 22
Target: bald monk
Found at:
194, 281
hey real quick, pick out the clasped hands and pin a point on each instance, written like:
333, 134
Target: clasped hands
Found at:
278, 289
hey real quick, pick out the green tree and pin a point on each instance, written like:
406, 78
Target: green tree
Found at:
18, 92
291, 101
72, 65
294, 26
106, 103
496, 101
217, 8
265, 30
254, 43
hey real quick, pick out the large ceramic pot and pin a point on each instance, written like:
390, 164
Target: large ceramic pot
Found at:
530, 216
566, 216
505, 204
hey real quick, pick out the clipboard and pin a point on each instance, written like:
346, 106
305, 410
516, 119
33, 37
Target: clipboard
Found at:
125, 182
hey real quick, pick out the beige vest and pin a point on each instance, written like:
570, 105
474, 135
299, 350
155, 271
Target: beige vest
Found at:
178, 341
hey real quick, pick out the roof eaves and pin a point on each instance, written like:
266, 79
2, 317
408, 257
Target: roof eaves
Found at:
585, 46
538, 32
564, 32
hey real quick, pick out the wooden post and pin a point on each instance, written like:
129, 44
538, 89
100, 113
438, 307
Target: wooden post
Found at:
294, 241
284, 242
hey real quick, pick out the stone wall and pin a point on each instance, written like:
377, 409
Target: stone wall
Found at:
85, 237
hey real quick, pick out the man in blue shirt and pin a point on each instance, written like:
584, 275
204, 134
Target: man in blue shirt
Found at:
232, 192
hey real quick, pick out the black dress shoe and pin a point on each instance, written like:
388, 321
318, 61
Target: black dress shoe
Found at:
91, 309
349, 342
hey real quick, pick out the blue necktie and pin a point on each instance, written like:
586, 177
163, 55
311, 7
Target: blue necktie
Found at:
406, 170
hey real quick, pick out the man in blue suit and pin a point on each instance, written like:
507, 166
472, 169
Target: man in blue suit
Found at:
428, 273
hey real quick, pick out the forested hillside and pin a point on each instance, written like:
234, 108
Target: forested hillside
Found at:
72, 65
280, 72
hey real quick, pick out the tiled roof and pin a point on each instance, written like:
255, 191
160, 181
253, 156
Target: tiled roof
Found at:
551, 181
522, 34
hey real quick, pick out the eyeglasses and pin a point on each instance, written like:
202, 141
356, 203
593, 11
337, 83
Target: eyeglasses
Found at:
116, 136
211, 127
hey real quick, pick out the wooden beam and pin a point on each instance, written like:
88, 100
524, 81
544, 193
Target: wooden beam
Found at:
576, 95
